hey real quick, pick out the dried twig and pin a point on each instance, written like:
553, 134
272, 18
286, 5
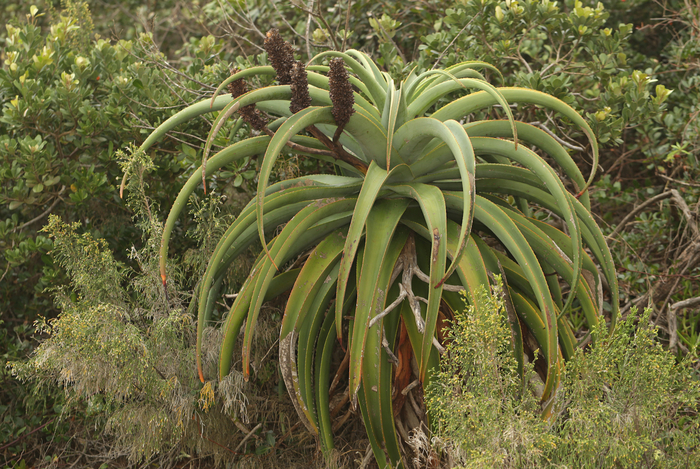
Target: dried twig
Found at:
247, 437
43, 214
308, 30
408, 388
637, 210
26, 435
688, 303
676, 181
347, 25
367, 459
672, 330
555, 137
442, 54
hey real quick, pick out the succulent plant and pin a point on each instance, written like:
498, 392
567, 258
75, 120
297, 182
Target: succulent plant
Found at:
424, 204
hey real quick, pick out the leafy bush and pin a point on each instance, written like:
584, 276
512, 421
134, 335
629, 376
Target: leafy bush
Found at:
624, 403
656, 247
485, 414
67, 100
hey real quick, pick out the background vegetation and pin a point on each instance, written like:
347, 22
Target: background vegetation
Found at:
80, 81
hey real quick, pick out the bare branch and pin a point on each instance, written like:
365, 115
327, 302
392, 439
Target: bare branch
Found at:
637, 210
391, 307
555, 137
43, 214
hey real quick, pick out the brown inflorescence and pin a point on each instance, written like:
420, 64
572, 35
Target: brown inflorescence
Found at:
237, 88
300, 88
281, 55
340, 91
249, 113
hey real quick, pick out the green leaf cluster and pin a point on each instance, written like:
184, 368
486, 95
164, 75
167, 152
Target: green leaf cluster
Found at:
68, 102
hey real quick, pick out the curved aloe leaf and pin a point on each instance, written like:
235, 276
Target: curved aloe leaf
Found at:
241, 234
542, 140
549, 178
432, 204
590, 231
460, 70
379, 250
507, 232
468, 104
281, 251
324, 356
377, 369
250, 72
301, 379
377, 93
294, 124
457, 140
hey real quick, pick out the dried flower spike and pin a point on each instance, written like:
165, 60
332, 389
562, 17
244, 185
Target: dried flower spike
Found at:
281, 55
341, 92
237, 88
300, 88
249, 113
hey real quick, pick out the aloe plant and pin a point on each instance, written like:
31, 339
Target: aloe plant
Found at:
422, 206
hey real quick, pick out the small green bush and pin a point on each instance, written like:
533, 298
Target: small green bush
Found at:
70, 99
120, 351
484, 415
625, 402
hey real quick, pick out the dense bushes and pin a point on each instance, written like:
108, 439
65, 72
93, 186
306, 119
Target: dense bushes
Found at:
627, 402
71, 100
69, 103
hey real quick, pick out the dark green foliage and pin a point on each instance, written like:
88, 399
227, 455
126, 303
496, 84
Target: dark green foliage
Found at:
67, 108
67, 100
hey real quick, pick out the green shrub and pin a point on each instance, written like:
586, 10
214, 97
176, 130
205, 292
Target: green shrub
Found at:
67, 100
120, 351
625, 402
484, 414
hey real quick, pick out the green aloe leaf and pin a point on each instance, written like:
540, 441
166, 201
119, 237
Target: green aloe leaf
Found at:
374, 180
457, 140
377, 370
432, 204
291, 127
460, 70
480, 100
379, 250
281, 251
324, 356
590, 231
507, 232
532, 135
